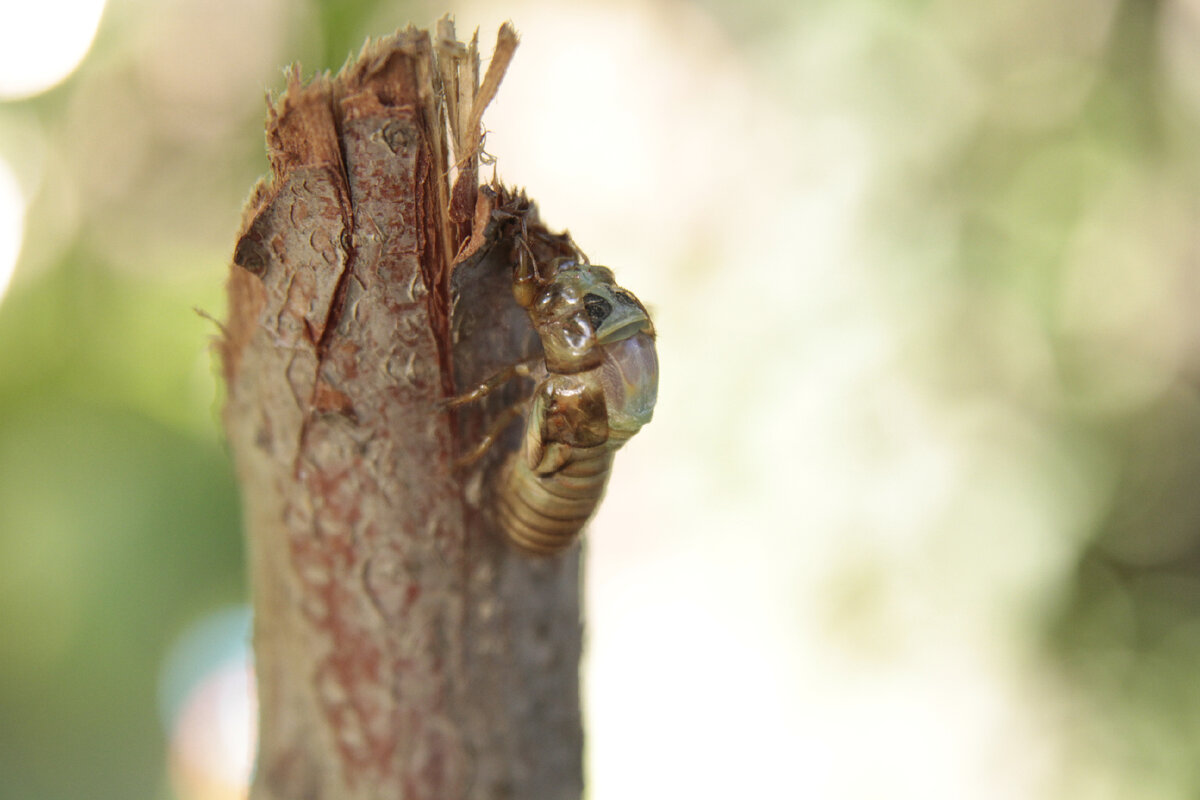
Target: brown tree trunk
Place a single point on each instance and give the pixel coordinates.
(402, 649)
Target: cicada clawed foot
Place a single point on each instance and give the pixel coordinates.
(526, 281)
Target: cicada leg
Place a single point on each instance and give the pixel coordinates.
(522, 369)
(493, 434)
(526, 281)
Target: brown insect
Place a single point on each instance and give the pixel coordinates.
(597, 385)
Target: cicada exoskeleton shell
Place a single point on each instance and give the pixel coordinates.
(599, 388)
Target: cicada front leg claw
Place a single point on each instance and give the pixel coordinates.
(526, 281)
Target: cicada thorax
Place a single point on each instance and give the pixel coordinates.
(601, 382)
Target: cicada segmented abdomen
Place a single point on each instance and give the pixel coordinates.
(543, 514)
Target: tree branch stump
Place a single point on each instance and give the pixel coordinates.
(402, 649)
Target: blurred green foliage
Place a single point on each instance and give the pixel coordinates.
(118, 523)
(118, 520)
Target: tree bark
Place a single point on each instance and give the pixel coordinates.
(402, 649)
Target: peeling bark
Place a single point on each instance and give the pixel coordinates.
(402, 649)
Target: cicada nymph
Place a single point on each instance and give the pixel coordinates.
(597, 383)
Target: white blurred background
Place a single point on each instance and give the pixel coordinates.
(917, 514)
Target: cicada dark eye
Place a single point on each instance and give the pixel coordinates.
(597, 307)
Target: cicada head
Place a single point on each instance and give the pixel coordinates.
(581, 309)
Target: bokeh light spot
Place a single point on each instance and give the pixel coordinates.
(212, 745)
(207, 695)
(42, 43)
(12, 224)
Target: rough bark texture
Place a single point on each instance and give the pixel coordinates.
(403, 650)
